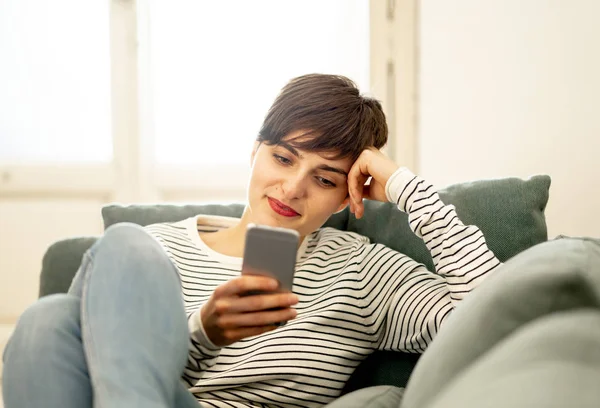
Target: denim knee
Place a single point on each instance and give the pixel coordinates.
(129, 237)
(134, 244)
(44, 324)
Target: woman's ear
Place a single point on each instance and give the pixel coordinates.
(254, 150)
(343, 205)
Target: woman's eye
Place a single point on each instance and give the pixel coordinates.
(282, 159)
(325, 182)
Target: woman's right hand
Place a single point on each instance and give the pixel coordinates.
(229, 316)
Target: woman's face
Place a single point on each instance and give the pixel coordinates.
(294, 188)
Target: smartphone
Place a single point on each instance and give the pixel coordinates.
(271, 251)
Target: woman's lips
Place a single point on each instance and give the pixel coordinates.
(281, 209)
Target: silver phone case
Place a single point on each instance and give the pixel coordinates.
(271, 251)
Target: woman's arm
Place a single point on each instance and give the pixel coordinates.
(417, 301)
(459, 251)
(202, 353)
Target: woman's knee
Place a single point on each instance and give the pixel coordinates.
(129, 243)
(45, 323)
(125, 237)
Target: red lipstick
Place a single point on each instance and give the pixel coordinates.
(281, 209)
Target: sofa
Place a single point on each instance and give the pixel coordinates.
(509, 211)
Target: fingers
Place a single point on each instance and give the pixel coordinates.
(231, 314)
(236, 318)
(255, 319)
(246, 283)
(357, 177)
(356, 181)
(356, 198)
(233, 335)
(356, 190)
(254, 303)
(374, 165)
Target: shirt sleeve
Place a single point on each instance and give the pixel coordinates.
(202, 352)
(459, 252)
(421, 300)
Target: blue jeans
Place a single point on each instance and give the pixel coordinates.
(119, 338)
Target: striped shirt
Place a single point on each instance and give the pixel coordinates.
(355, 297)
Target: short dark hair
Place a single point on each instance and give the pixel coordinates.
(331, 110)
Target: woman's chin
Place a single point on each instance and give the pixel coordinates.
(273, 219)
(267, 216)
(279, 221)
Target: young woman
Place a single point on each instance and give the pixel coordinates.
(153, 306)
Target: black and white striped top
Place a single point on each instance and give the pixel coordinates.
(354, 297)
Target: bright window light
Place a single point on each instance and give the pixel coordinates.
(216, 67)
(54, 81)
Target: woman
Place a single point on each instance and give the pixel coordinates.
(120, 337)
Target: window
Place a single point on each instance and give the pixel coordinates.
(141, 100)
(54, 82)
(215, 67)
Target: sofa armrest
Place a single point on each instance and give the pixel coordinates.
(61, 262)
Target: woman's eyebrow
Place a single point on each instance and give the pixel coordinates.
(333, 169)
(325, 167)
(290, 148)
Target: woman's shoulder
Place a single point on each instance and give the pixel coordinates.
(160, 228)
(338, 238)
(176, 234)
(333, 245)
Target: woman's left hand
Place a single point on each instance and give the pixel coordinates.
(371, 163)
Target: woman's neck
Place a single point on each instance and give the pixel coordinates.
(230, 241)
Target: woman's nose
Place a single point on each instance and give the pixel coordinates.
(294, 187)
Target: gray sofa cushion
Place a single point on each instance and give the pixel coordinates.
(494, 339)
(509, 211)
(60, 263)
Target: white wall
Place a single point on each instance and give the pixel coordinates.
(27, 228)
(512, 88)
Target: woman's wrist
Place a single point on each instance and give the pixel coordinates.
(396, 183)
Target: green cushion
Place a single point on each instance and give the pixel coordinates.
(509, 211)
(382, 367)
(61, 262)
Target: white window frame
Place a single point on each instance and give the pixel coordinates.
(132, 175)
